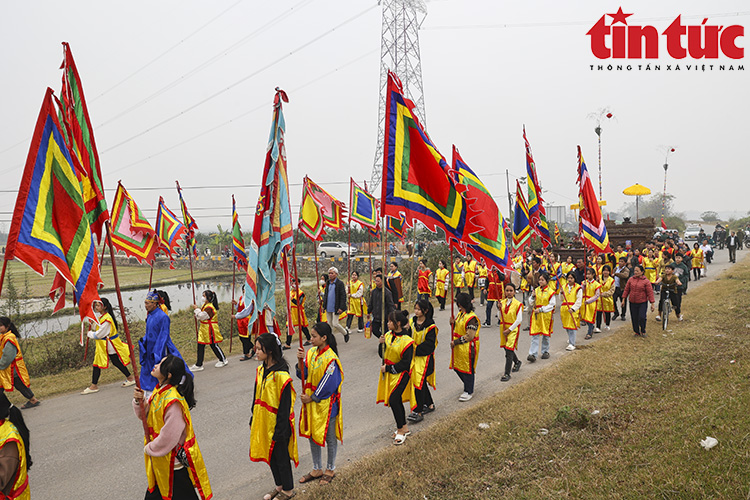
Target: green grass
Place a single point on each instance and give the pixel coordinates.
(657, 398)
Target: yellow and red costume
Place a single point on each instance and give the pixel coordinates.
(315, 417)
(510, 310)
(588, 311)
(423, 281)
(464, 356)
(268, 390)
(441, 275)
(208, 333)
(419, 364)
(101, 354)
(570, 318)
(395, 346)
(17, 367)
(541, 322)
(606, 303)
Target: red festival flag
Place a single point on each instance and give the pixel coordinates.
(592, 228)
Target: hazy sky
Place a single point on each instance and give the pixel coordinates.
(489, 68)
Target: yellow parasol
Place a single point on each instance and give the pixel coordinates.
(636, 190)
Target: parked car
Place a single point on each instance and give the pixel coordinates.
(335, 249)
(691, 233)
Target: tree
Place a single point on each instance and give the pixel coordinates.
(709, 216)
(651, 206)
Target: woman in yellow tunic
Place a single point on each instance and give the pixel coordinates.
(554, 269)
(698, 264)
(208, 333)
(567, 266)
(470, 274)
(109, 347)
(320, 419)
(272, 436)
(243, 327)
(572, 297)
(394, 384)
(465, 344)
(606, 304)
(424, 332)
(14, 449)
(599, 266)
(591, 291)
(542, 304)
(357, 304)
(510, 311)
(13, 371)
(297, 314)
(458, 276)
(441, 279)
(174, 463)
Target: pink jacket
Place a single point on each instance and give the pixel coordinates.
(639, 290)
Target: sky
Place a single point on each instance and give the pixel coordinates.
(184, 90)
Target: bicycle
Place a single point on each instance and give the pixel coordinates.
(666, 309)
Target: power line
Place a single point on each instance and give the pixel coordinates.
(241, 80)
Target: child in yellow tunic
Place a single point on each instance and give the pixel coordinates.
(482, 283)
(591, 291)
(441, 283)
(394, 384)
(511, 315)
(321, 419)
(554, 269)
(465, 344)
(13, 371)
(208, 333)
(572, 296)
(424, 332)
(174, 465)
(272, 436)
(14, 448)
(698, 264)
(542, 304)
(357, 304)
(606, 303)
(109, 347)
(650, 265)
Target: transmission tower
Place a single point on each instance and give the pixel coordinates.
(399, 52)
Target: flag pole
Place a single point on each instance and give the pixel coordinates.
(192, 281)
(151, 277)
(116, 279)
(349, 249)
(452, 280)
(317, 277)
(300, 308)
(287, 293)
(2, 275)
(383, 241)
(231, 316)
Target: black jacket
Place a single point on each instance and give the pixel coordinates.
(340, 295)
(375, 304)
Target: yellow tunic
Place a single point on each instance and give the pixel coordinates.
(566, 268)
(620, 255)
(541, 322)
(698, 259)
(17, 367)
(441, 276)
(208, 333)
(101, 355)
(458, 279)
(470, 272)
(419, 363)
(649, 267)
(314, 417)
(464, 356)
(9, 434)
(299, 317)
(606, 304)
(570, 319)
(588, 311)
(554, 281)
(268, 391)
(160, 470)
(509, 311)
(357, 306)
(395, 346)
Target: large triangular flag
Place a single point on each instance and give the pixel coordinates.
(592, 228)
(319, 210)
(537, 212)
(49, 221)
(131, 232)
(521, 228)
(169, 230)
(238, 244)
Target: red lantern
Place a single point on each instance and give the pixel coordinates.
(672, 150)
(609, 115)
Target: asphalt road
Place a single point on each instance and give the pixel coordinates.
(93, 445)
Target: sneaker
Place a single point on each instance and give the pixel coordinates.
(89, 390)
(465, 397)
(359, 330)
(658, 318)
(570, 347)
(196, 368)
(531, 358)
(505, 377)
(545, 355)
(516, 366)
(597, 330)
(606, 327)
(220, 364)
(681, 318)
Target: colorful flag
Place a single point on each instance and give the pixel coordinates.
(272, 227)
(663, 224)
(190, 225)
(521, 228)
(49, 220)
(363, 208)
(319, 210)
(489, 242)
(416, 182)
(537, 212)
(80, 138)
(238, 244)
(169, 231)
(592, 228)
(557, 234)
(131, 232)
(397, 227)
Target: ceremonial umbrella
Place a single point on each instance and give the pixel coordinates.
(636, 190)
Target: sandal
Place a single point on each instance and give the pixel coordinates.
(271, 494)
(284, 496)
(309, 477)
(29, 404)
(327, 478)
(428, 409)
(399, 439)
(588, 336)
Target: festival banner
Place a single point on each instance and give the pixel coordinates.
(238, 244)
(189, 222)
(364, 207)
(591, 223)
(537, 212)
(416, 183)
(169, 231)
(318, 211)
(131, 232)
(521, 228)
(49, 220)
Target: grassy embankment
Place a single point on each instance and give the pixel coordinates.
(656, 399)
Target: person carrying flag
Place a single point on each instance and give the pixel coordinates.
(441, 279)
